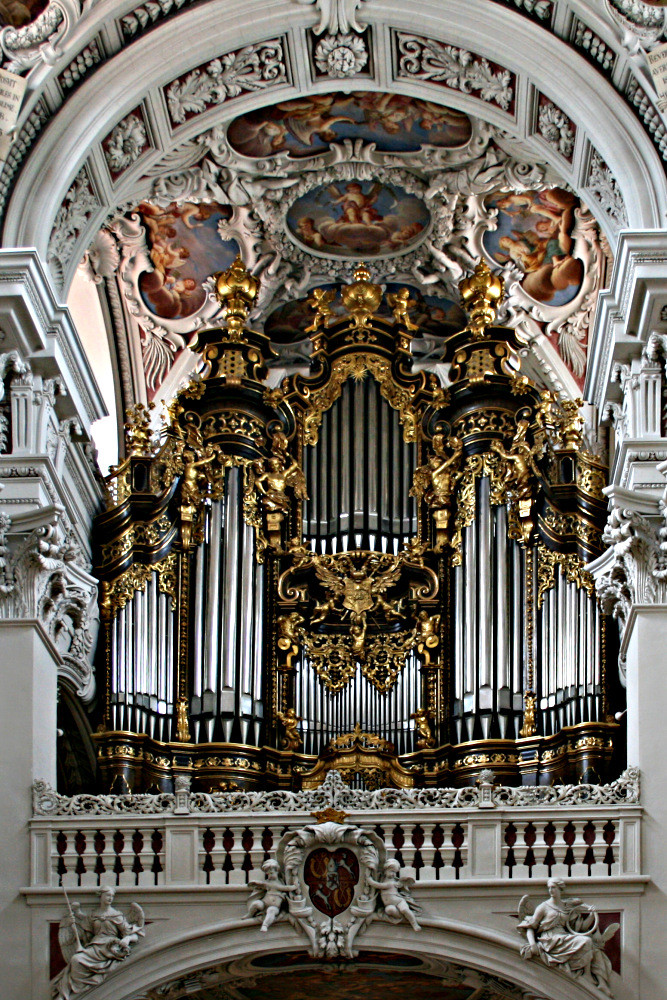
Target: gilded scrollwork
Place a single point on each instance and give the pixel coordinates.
(570, 564)
(122, 589)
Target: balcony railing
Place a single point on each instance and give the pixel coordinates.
(486, 832)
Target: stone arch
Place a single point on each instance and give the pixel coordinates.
(540, 61)
(490, 955)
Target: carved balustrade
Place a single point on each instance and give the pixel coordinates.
(484, 833)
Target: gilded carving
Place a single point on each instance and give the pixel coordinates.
(122, 589)
(570, 564)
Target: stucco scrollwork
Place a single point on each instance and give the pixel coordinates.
(602, 184)
(42, 40)
(333, 793)
(41, 577)
(427, 59)
(336, 15)
(252, 68)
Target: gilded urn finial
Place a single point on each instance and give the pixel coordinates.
(361, 298)
(237, 290)
(480, 295)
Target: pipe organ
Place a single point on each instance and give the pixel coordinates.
(363, 568)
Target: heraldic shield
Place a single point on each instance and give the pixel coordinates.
(331, 877)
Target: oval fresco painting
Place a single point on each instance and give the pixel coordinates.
(185, 249)
(358, 219)
(535, 231)
(307, 125)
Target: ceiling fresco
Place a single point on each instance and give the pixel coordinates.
(184, 249)
(309, 125)
(305, 189)
(370, 976)
(358, 219)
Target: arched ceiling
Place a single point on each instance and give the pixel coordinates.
(158, 138)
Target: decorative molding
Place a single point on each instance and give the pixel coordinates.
(85, 61)
(246, 70)
(556, 128)
(426, 59)
(334, 793)
(336, 16)
(340, 56)
(78, 205)
(125, 143)
(605, 189)
(342, 869)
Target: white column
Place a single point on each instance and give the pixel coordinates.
(646, 666)
(28, 682)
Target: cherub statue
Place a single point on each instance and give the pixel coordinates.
(436, 479)
(564, 932)
(290, 721)
(320, 300)
(92, 944)
(401, 303)
(423, 727)
(269, 897)
(519, 462)
(192, 474)
(395, 895)
(271, 482)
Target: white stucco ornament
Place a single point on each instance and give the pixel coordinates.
(341, 55)
(564, 933)
(330, 881)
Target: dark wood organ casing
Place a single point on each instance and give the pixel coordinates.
(362, 568)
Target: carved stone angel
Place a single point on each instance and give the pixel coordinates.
(564, 932)
(92, 944)
(396, 895)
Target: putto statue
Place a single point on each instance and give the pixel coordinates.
(270, 896)
(564, 932)
(92, 944)
(396, 895)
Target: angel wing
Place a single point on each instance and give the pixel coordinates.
(297, 480)
(67, 935)
(526, 908)
(421, 481)
(405, 884)
(572, 350)
(608, 933)
(136, 915)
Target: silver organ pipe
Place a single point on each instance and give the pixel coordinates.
(141, 698)
(226, 702)
(568, 631)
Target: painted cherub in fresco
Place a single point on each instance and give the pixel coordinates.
(357, 207)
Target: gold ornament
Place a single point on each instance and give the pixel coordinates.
(362, 298)
(480, 295)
